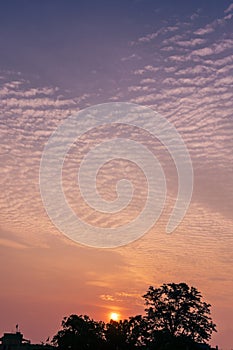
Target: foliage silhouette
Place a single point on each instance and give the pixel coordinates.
(178, 310)
(127, 334)
(116, 334)
(176, 319)
(79, 332)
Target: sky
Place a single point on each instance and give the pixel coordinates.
(60, 57)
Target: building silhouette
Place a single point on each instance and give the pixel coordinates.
(16, 341)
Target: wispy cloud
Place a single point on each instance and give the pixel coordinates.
(151, 36)
(229, 8)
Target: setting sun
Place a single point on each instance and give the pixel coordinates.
(114, 316)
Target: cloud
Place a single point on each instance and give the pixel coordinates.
(12, 240)
(28, 117)
(174, 38)
(151, 36)
(192, 43)
(124, 298)
(214, 49)
(190, 84)
(228, 17)
(148, 81)
(11, 244)
(211, 27)
(131, 57)
(206, 30)
(146, 69)
(206, 51)
(229, 9)
(107, 297)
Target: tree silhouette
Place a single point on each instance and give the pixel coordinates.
(116, 334)
(79, 332)
(126, 334)
(177, 311)
(176, 319)
(138, 331)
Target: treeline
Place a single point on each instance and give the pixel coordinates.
(176, 318)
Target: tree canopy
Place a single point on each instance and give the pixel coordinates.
(79, 332)
(175, 317)
(178, 310)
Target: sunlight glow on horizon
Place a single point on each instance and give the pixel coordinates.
(114, 316)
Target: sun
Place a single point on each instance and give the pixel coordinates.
(114, 316)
